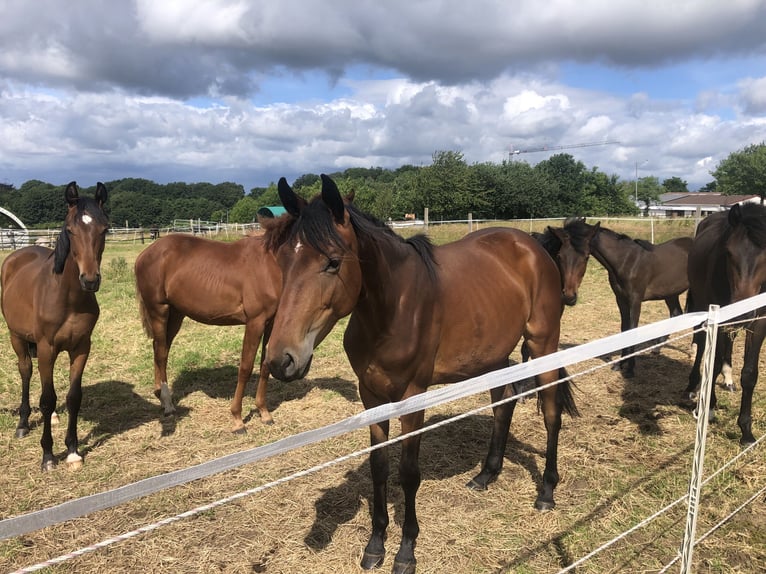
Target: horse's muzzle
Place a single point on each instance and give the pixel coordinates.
(569, 300)
(91, 285)
(287, 368)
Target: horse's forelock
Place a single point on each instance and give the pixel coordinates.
(579, 233)
(753, 218)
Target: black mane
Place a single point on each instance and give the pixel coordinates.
(316, 228)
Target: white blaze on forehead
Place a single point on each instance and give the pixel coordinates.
(298, 246)
(86, 219)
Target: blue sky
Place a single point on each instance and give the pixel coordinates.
(249, 91)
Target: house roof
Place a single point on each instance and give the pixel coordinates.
(706, 198)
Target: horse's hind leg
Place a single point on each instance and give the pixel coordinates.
(501, 424)
(726, 341)
(674, 310)
(165, 327)
(21, 347)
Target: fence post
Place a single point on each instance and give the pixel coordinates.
(703, 402)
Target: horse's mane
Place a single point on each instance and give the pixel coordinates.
(315, 227)
(642, 243)
(61, 250)
(753, 218)
(548, 240)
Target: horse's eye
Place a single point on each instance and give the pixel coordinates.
(333, 265)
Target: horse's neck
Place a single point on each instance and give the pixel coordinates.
(608, 251)
(391, 271)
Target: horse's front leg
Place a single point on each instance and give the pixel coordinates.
(21, 347)
(501, 424)
(630, 312)
(374, 552)
(552, 417)
(749, 378)
(409, 476)
(46, 357)
(77, 361)
(252, 338)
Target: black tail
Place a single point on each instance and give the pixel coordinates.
(564, 396)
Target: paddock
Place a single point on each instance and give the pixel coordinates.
(623, 459)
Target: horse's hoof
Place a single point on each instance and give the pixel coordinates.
(370, 561)
(48, 465)
(544, 505)
(477, 485)
(21, 432)
(54, 419)
(74, 461)
(729, 387)
(240, 430)
(407, 567)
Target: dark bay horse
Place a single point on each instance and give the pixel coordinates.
(727, 263)
(638, 271)
(49, 303)
(570, 251)
(214, 283)
(420, 315)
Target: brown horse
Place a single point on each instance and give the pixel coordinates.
(49, 303)
(638, 271)
(727, 263)
(214, 283)
(420, 315)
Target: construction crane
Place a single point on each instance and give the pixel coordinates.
(559, 147)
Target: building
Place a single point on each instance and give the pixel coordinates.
(697, 204)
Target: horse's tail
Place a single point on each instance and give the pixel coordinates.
(145, 321)
(564, 396)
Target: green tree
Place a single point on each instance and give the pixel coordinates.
(675, 185)
(649, 190)
(448, 189)
(743, 172)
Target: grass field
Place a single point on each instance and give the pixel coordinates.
(626, 457)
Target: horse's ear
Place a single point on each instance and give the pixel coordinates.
(71, 194)
(292, 202)
(333, 200)
(735, 215)
(101, 194)
(559, 234)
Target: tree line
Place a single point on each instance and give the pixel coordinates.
(450, 188)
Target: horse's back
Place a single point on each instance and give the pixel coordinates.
(210, 281)
(20, 278)
(496, 284)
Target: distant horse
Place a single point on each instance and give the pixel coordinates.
(420, 315)
(214, 283)
(570, 251)
(638, 271)
(727, 263)
(49, 303)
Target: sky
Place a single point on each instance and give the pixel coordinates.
(250, 91)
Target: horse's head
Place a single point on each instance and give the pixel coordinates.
(572, 256)
(321, 277)
(746, 251)
(83, 236)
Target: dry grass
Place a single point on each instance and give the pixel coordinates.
(627, 456)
